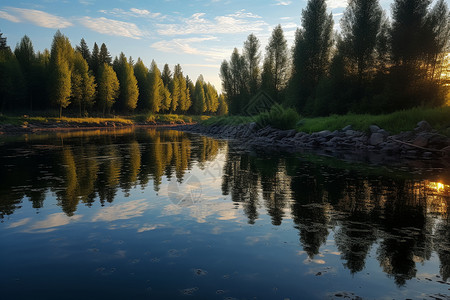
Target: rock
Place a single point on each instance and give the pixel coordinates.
(421, 140)
(291, 133)
(325, 134)
(350, 132)
(446, 151)
(348, 127)
(383, 132)
(376, 138)
(374, 128)
(427, 155)
(299, 135)
(423, 126)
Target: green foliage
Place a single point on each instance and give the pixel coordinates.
(142, 77)
(275, 70)
(439, 119)
(157, 91)
(278, 117)
(129, 91)
(108, 87)
(311, 52)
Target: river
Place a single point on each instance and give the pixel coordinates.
(161, 214)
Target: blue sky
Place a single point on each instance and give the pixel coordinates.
(198, 34)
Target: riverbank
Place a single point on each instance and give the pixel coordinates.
(378, 144)
(25, 124)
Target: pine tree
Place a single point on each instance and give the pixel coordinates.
(24, 53)
(104, 56)
(83, 84)
(141, 73)
(312, 51)
(61, 64)
(108, 87)
(276, 63)
(84, 50)
(199, 105)
(94, 62)
(361, 25)
(252, 55)
(166, 75)
(157, 90)
(3, 44)
(129, 91)
(222, 110)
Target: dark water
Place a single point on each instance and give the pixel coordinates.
(165, 215)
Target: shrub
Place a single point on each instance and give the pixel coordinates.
(278, 117)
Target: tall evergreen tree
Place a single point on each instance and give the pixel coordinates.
(166, 75)
(223, 107)
(84, 50)
(141, 73)
(252, 55)
(234, 75)
(311, 52)
(83, 84)
(94, 62)
(276, 70)
(361, 28)
(413, 42)
(157, 90)
(3, 43)
(108, 87)
(24, 53)
(104, 56)
(199, 105)
(61, 64)
(129, 91)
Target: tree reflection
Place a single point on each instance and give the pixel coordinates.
(400, 218)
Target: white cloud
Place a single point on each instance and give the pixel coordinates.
(133, 12)
(284, 3)
(239, 22)
(6, 16)
(331, 4)
(112, 27)
(185, 46)
(39, 18)
(123, 211)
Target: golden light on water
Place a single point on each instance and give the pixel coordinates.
(438, 186)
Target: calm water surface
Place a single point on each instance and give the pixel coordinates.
(150, 214)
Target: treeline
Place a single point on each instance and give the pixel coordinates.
(92, 82)
(373, 65)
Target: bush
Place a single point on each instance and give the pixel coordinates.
(278, 117)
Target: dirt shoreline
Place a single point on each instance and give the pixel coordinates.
(9, 129)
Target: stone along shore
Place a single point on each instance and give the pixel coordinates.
(421, 143)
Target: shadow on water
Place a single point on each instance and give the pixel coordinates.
(404, 213)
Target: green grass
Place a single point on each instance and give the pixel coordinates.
(439, 119)
(406, 120)
(25, 120)
(167, 118)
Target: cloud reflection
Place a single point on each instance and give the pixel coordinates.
(124, 211)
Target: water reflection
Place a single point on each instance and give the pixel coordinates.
(399, 217)
(407, 217)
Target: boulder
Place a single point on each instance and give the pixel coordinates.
(374, 128)
(348, 127)
(423, 126)
(421, 140)
(376, 138)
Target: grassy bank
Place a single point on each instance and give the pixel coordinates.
(439, 119)
(45, 121)
(27, 120)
